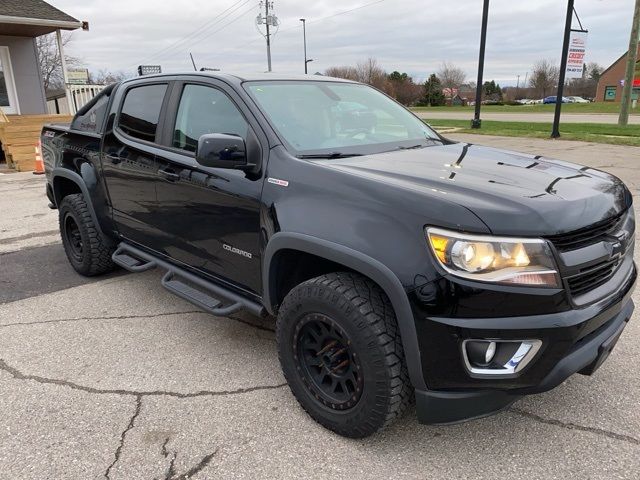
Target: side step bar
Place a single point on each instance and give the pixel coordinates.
(209, 296)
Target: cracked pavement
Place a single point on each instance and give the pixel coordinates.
(115, 378)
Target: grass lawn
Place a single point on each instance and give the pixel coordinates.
(587, 132)
(588, 108)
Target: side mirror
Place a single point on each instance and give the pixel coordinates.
(221, 150)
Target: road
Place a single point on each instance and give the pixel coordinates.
(115, 378)
(527, 117)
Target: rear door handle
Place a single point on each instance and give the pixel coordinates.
(169, 175)
(113, 158)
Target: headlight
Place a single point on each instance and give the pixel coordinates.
(521, 261)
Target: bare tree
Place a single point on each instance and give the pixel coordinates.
(368, 71)
(544, 77)
(451, 77)
(372, 73)
(348, 73)
(107, 77)
(49, 60)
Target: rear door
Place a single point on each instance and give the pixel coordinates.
(209, 217)
(129, 157)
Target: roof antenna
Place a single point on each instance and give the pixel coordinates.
(193, 62)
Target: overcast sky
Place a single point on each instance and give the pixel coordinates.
(415, 36)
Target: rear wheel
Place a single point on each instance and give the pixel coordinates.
(88, 251)
(342, 355)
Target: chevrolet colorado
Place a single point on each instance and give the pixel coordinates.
(400, 265)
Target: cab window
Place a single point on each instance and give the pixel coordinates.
(91, 118)
(141, 111)
(205, 110)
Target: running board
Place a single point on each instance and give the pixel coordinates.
(211, 297)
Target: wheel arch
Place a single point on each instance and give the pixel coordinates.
(66, 182)
(355, 261)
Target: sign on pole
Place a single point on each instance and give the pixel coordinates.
(577, 51)
(78, 76)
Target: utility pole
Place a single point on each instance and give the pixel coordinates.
(304, 36)
(476, 122)
(555, 133)
(632, 57)
(266, 14)
(517, 86)
(269, 20)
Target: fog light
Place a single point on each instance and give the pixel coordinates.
(480, 353)
(498, 357)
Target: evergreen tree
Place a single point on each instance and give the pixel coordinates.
(433, 95)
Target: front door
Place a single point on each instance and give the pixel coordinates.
(209, 217)
(8, 95)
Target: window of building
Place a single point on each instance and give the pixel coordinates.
(610, 93)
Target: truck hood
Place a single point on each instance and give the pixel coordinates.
(512, 193)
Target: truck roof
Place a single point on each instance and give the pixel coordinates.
(243, 77)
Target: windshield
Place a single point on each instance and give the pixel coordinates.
(331, 118)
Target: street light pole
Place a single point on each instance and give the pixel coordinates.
(555, 133)
(304, 36)
(476, 122)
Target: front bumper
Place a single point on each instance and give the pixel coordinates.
(574, 341)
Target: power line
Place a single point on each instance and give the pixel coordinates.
(319, 20)
(252, 7)
(198, 31)
(222, 16)
(340, 13)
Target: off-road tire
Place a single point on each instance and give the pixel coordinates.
(94, 255)
(364, 313)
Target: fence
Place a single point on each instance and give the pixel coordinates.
(80, 96)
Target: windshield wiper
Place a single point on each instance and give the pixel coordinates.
(412, 147)
(420, 145)
(331, 155)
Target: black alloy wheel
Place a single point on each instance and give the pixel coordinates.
(73, 237)
(327, 362)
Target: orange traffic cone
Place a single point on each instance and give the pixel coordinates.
(39, 163)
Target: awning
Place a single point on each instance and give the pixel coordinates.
(33, 27)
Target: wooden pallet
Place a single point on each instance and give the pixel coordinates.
(20, 135)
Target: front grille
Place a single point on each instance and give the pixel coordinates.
(586, 236)
(592, 277)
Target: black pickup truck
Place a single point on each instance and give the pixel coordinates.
(399, 264)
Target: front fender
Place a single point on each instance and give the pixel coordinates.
(362, 264)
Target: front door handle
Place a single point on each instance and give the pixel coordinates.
(169, 175)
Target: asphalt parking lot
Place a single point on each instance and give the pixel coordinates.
(116, 378)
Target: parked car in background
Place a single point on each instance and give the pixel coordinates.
(577, 100)
(554, 99)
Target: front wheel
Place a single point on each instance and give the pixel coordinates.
(341, 353)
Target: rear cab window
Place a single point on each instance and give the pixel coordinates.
(90, 119)
(140, 111)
